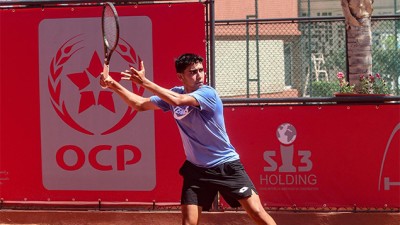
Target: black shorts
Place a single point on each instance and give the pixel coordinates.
(201, 185)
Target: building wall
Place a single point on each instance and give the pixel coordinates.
(237, 60)
(234, 68)
(241, 9)
(334, 8)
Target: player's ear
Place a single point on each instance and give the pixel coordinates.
(180, 76)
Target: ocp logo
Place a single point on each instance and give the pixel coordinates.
(87, 130)
(85, 89)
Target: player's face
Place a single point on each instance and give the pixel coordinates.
(193, 77)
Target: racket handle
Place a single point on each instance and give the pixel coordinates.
(106, 70)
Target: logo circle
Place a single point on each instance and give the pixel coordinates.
(286, 133)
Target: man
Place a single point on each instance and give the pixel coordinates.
(212, 163)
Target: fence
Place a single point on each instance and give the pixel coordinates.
(295, 57)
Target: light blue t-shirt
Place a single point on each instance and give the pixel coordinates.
(202, 128)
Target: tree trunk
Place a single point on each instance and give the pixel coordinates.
(359, 51)
(359, 38)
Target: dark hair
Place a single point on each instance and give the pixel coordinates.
(186, 60)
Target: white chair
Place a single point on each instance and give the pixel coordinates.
(318, 60)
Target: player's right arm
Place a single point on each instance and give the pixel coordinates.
(135, 101)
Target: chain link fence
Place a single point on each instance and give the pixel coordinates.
(300, 57)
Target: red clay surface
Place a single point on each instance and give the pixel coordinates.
(210, 218)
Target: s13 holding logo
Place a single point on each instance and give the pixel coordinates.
(289, 175)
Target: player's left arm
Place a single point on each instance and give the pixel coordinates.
(135, 101)
(171, 97)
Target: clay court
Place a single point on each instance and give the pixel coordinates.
(32, 217)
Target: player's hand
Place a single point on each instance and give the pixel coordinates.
(105, 78)
(105, 82)
(135, 75)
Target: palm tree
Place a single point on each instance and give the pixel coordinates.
(359, 38)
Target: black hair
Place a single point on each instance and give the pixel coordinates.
(186, 60)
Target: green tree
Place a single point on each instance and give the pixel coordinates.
(386, 61)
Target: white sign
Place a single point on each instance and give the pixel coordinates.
(91, 139)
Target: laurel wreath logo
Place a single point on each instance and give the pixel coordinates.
(126, 51)
(64, 53)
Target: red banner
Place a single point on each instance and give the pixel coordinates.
(333, 155)
(63, 138)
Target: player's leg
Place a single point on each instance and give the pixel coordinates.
(255, 210)
(190, 214)
(238, 190)
(196, 195)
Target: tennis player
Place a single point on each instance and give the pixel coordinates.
(212, 164)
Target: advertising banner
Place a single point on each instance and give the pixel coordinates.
(63, 137)
(313, 156)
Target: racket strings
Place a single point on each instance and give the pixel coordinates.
(110, 28)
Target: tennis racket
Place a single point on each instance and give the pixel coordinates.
(110, 30)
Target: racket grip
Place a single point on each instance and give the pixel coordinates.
(106, 70)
